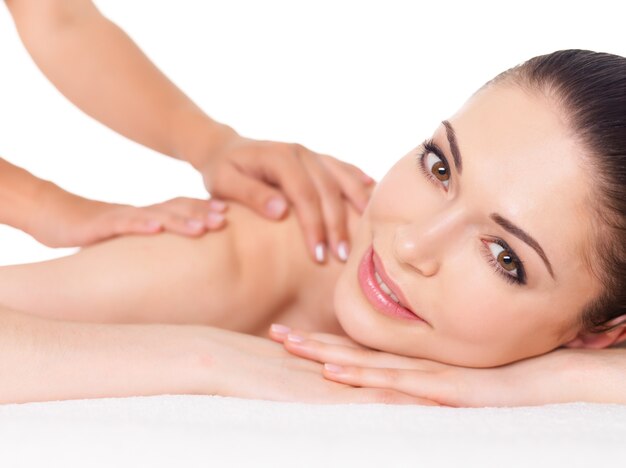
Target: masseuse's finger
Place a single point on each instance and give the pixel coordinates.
(293, 177)
(355, 184)
(333, 205)
(231, 182)
(281, 165)
(149, 221)
(184, 216)
(190, 214)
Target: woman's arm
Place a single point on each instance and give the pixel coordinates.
(561, 376)
(42, 360)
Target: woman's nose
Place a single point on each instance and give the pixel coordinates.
(413, 251)
(422, 245)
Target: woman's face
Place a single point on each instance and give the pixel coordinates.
(488, 250)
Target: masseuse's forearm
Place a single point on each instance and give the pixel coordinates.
(20, 195)
(24, 199)
(43, 360)
(102, 71)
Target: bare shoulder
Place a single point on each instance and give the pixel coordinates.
(267, 253)
(232, 278)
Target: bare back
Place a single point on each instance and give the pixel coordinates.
(241, 278)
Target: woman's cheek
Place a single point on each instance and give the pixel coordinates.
(477, 311)
(394, 193)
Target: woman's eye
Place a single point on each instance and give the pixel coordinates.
(437, 167)
(433, 164)
(507, 261)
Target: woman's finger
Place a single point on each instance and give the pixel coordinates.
(412, 382)
(383, 396)
(348, 355)
(279, 332)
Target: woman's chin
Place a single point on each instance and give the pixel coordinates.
(359, 322)
(350, 314)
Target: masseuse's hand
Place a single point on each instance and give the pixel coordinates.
(73, 42)
(63, 219)
(561, 376)
(267, 176)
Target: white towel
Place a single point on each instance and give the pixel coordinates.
(194, 431)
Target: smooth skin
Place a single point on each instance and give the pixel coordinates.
(425, 238)
(78, 49)
(58, 218)
(444, 242)
(172, 280)
(45, 360)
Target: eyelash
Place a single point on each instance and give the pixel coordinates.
(520, 279)
(430, 147)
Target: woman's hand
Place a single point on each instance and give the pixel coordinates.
(265, 175)
(63, 219)
(561, 376)
(246, 366)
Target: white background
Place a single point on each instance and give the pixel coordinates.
(364, 81)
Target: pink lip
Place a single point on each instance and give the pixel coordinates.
(376, 296)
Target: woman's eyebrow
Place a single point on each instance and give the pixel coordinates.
(454, 147)
(501, 221)
(521, 234)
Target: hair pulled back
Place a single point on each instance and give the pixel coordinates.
(590, 88)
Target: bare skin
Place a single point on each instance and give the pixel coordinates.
(99, 68)
(229, 279)
(428, 235)
(436, 239)
(160, 279)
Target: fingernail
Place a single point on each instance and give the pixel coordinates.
(276, 207)
(153, 225)
(342, 250)
(195, 224)
(320, 252)
(334, 368)
(217, 204)
(295, 338)
(215, 218)
(281, 329)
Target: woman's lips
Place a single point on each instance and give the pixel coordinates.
(375, 295)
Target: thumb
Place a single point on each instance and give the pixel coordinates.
(263, 199)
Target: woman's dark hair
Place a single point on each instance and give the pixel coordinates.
(590, 88)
